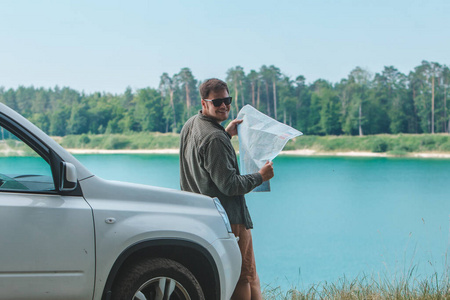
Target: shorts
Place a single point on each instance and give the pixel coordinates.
(248, 269)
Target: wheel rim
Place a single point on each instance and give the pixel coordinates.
(162, 288)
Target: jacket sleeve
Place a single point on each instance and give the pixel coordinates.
(219, 163)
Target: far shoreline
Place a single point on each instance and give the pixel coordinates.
(301, 152)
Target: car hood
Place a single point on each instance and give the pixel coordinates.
(97, 188)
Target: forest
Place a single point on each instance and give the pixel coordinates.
(388, 102)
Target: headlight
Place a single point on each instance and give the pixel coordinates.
(223, 213)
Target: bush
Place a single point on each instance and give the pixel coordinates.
(117, 142)
(84, 139)
(379, 146)
(289, 146)
(428, 142)
(445, 147)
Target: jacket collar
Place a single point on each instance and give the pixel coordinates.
(210, 120)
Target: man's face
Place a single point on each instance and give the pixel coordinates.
(220, 113)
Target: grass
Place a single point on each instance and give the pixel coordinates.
(142, 140)
(12, 147)
(393, 145)
(370, 288)
(383, 143)
(396, 145)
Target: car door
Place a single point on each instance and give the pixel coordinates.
(46, 236)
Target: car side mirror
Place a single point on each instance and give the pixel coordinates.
(68, 177)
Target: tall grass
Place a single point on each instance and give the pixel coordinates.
(364, 287)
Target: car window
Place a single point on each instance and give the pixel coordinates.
(21, 168)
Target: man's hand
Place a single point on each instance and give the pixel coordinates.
(267, 171)
(232, 127)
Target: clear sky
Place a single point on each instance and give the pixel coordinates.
(106, 46)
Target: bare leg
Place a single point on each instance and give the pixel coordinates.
(255, 288)
(242, 291)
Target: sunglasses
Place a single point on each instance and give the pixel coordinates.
(218, 102)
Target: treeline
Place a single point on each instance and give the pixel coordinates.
(361, 104)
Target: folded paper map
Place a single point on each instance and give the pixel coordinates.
(261, 139)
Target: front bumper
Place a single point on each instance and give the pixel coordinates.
(227, 255)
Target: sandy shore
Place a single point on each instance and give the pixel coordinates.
(303, 152)
(124, 151)
(308, 152)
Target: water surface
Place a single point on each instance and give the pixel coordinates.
(329, 217)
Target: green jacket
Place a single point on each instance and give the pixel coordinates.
(208, 166)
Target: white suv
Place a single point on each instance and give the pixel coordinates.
(68, 234)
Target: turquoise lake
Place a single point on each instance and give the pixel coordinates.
(330, 217)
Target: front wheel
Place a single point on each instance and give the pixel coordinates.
(157, 279)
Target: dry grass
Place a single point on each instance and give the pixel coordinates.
(368, 288)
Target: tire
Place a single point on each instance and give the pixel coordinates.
(157, 279)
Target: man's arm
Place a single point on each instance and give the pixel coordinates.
(219, 158)
(232, 127)
(267, 171)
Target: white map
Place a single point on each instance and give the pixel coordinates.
(261, 139)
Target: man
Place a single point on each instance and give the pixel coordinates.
(208, 166)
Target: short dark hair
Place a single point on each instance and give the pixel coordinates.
(212, 85)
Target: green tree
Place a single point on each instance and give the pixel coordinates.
(149, 110)
(275, 74)
(167, 89)
(433, 72)
(24, 99)
(78, 122)
(270, 76)
(389, 102)
(324, 109)
(58, 122)
(445, 85)
(266, 78)
(40, 103)
(421, 80)
(288, 101)
(100, 112)
(188, 84)
(41, 120)
(235, 77)
(9, 98)
(128, 96)
(303, 102)
(356, 92)
(253, 78)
